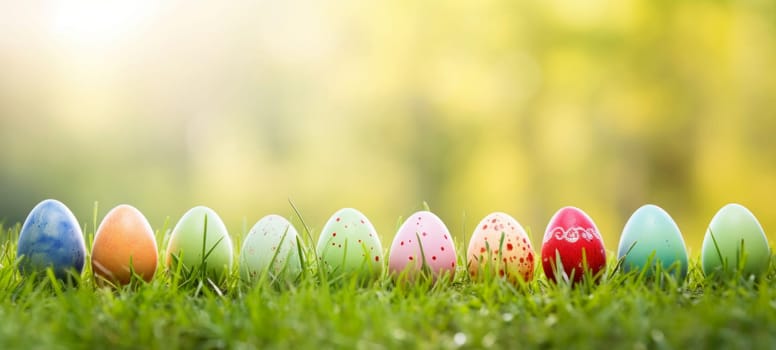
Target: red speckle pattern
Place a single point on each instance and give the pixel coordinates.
(485, 253)
(569, 233)
(433, 233)
(349, 228)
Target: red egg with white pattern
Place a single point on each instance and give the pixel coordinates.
(572, 246)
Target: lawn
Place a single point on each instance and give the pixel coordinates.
(622, 311)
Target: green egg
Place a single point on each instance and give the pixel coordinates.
(735, 239)
(271, 246)
(651, 237)
(349, 246)
(191, 239)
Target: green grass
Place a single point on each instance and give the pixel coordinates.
(623, 311)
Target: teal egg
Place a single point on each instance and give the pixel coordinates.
(51, 238)
(651, 237)
(734, 227)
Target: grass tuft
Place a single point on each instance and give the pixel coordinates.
(180, 309)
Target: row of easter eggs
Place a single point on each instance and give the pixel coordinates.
(349, 245)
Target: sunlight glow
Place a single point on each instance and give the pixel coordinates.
(98, 24)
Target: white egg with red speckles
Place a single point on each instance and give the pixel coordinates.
(500, 247)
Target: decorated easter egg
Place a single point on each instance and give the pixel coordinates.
(651, 238)
(423, 240)
(571, 242)
(124, 243)
(500, 246)
(271, 245)
(200, 237)
(349, 245)
(51, 238)
(734, 233)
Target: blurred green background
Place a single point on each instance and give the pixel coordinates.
(471, 106)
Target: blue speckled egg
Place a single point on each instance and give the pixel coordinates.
(51, 237)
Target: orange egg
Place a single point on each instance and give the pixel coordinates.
(124, 238)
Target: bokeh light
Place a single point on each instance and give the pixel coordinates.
(472, 107)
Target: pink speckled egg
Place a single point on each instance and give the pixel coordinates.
(489, 254)
(435, 241)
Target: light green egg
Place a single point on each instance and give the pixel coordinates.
(272, 246)
(190, 241)
(349, 245)
(734, 227)
(652, 237)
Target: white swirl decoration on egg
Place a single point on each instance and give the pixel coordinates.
(572, 234)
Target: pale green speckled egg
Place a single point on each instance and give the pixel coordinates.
(272, 246)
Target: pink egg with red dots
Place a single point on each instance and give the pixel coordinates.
(427, 231)
(500, 247)
(572, 246)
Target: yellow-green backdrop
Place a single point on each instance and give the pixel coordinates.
(471, 106)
